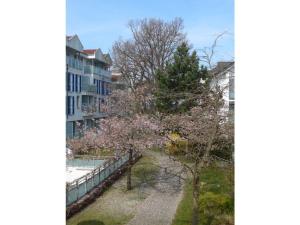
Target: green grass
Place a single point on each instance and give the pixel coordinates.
(216, 201)
(115, 206)
(145, 171)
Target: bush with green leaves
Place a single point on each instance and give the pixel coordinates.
(214, 207)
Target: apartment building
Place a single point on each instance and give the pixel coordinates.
(88, 81)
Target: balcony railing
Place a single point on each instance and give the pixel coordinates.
(90, 88)
(96, 70)
(88, 109)
(74, 63)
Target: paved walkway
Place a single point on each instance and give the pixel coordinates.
(160, 206)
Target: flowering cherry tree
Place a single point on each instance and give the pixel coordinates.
(205, 128)
(125, 129)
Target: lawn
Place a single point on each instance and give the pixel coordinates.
(216, 201)
(117, 205)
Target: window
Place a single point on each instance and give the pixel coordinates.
(77, 101)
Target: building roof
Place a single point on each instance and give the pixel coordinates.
(90, 51)
(73, 41)
(222, 66)
(107, 58)
(115, 78)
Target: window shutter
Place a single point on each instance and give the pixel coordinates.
(73, 82)
(79, 83)
(67, 82)
(68, 105)
(73, 105)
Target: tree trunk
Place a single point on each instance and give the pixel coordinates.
(196, 195)
(129, 170)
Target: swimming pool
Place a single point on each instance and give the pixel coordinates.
(76, 168)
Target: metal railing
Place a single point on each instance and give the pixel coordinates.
(78, 188)
(88, 109)
(74, 63)
(96, 70)
(90, 88)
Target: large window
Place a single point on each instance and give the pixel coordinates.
(74, 82)
(97, 83)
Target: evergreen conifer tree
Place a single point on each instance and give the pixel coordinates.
(182, 77)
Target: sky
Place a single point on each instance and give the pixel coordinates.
(99, 23)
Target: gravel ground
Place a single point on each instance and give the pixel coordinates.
(152, 203)
(160, 206)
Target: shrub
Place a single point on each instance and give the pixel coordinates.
(223, 148)
(214, 208)
(176, 145)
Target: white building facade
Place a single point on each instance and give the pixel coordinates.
(224, 72)
(88, 82)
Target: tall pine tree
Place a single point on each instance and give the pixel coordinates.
(181, 78)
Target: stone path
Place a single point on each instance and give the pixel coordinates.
(160, 206)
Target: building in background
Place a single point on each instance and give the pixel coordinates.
(88, 80)
(118, 81)
(225, 72)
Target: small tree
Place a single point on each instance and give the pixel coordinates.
(205, 125)
(180, 78)
(201, 127)
(125, 129)
(126, 135)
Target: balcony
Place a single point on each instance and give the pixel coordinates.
(96, 70)
(89, 88)
(74, 63)
(88, 110)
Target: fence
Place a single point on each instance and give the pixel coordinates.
(81, 186)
